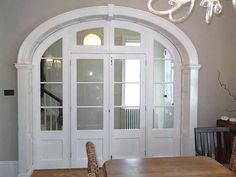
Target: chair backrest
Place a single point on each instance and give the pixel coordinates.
(232, 164)
(92, 160)
(91, 175)
(212, 142)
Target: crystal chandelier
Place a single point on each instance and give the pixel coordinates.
(213, 7)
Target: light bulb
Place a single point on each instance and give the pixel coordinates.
(92, 39)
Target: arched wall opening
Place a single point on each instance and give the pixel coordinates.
(25, 67)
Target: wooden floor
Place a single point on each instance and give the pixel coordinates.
(60, 173)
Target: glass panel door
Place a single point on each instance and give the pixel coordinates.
(90, 83)
(52, 149)
(127, 106)
(163, 126)
(127, 93)
(89, 106)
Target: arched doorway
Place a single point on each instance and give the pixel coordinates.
(54, 143)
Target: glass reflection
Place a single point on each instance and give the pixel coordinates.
(127, 118)
(89, 118)
(163, 117)
(90, 94)
(124, 37)
(51, 119)
(51, 95)
(98, 32)
(89, 70)
(163, 95)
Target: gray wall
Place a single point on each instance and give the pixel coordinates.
(215, 43)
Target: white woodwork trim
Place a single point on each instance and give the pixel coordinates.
(28, 174)
(25, 60)
(8, 168)
(191, 67)
(103, 12)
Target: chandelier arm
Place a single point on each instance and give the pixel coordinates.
(163, 12)
(209, 12)
(213, 7)
(234, 4)
(181, 19)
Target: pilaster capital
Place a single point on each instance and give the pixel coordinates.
(24, 66)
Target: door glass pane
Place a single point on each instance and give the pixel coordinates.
(94, 36)
(163, 71)
(163, 95)
(127, 94)
(127, 70)
(163, 79)
(161, 52)
(51, 119)
(55, 50)
(89, 118)
(51, 94)
(118, 95)
(51, 88)
(51, 70)
(127, 118)
(124, 37)
(90, 94)
(89, 70)
(163, 117)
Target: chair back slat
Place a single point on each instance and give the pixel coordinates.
(210, 141)
(232, 164)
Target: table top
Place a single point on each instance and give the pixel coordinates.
(166, 167)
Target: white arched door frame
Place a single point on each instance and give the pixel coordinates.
(24, 67)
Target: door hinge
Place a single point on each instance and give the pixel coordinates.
(111, 60)
(145, 153)
(111, 157)
(70, 155)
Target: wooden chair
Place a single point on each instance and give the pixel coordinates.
(232, 164)
(92, 160)
(211, 141)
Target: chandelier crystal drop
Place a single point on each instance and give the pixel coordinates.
(212, 6)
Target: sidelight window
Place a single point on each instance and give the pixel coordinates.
(51, 88)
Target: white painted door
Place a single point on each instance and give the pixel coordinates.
(127, 106)
(107, 95)
(52, 140)
(89, 107)
(163, 108)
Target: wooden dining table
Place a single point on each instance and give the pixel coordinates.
(166, 167)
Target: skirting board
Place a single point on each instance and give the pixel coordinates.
(8, 168)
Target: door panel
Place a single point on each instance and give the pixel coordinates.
(89, 101)
(164, 120)
(52, 143)
(127, 126)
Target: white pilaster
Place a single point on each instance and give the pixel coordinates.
(24, 119)
(189, 107)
